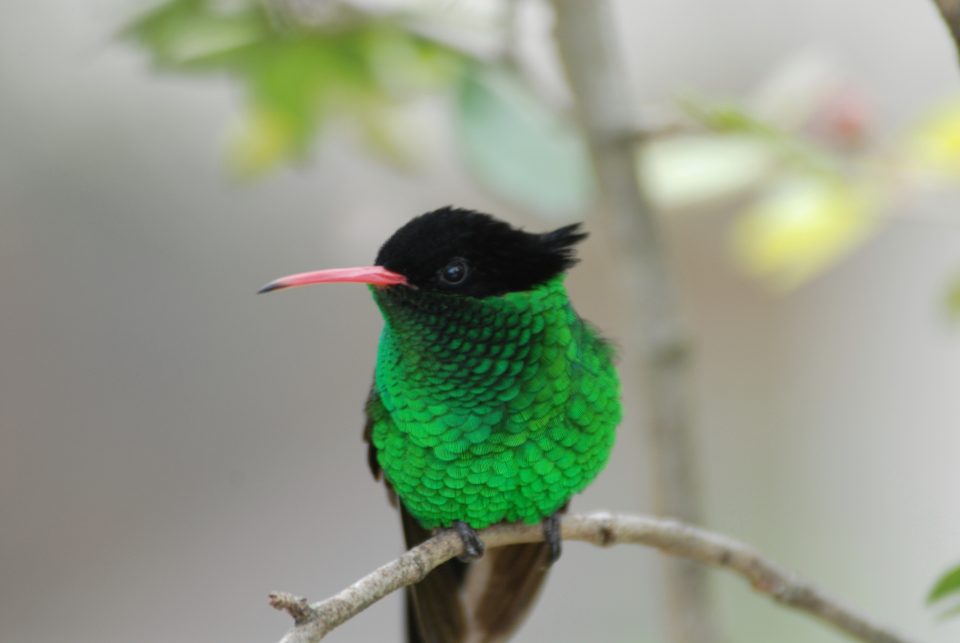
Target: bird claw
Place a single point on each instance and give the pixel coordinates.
(551, 534)
(472, 545)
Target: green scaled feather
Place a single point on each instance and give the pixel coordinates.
(490, 409)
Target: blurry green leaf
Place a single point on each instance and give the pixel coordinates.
(947, 587)
(296, 79)
(801, 226)
(264, 138)
(948, 584)
(791, 148)
(193, 33)
(726, 118)
(953, 301)
(518, 147)
(402, 61)
(686, 171)
(935, 144)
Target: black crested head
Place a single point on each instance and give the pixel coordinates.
(473, 254)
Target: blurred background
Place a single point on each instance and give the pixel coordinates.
(173, 448)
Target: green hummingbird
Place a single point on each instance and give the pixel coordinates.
(492, 401)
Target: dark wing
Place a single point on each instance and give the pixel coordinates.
(483, 601)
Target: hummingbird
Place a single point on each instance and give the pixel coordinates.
(492, 402)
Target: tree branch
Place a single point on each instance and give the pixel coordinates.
(587, 43)
(950, 10)
(313, 622)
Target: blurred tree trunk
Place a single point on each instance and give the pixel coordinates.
(586, 41)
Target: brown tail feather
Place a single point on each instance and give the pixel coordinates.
(479, 602)
(517, 573)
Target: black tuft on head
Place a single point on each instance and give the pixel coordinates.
(471, 253)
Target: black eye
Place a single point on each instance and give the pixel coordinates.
(454, 272)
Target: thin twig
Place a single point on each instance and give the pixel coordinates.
(586, 38)
(313, 622)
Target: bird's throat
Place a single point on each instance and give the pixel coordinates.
(445, 339)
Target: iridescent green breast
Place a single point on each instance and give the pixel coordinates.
(492, 409)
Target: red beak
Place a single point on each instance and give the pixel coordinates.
(376, 275)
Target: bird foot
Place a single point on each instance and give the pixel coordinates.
(472, 545)
(551, 534)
